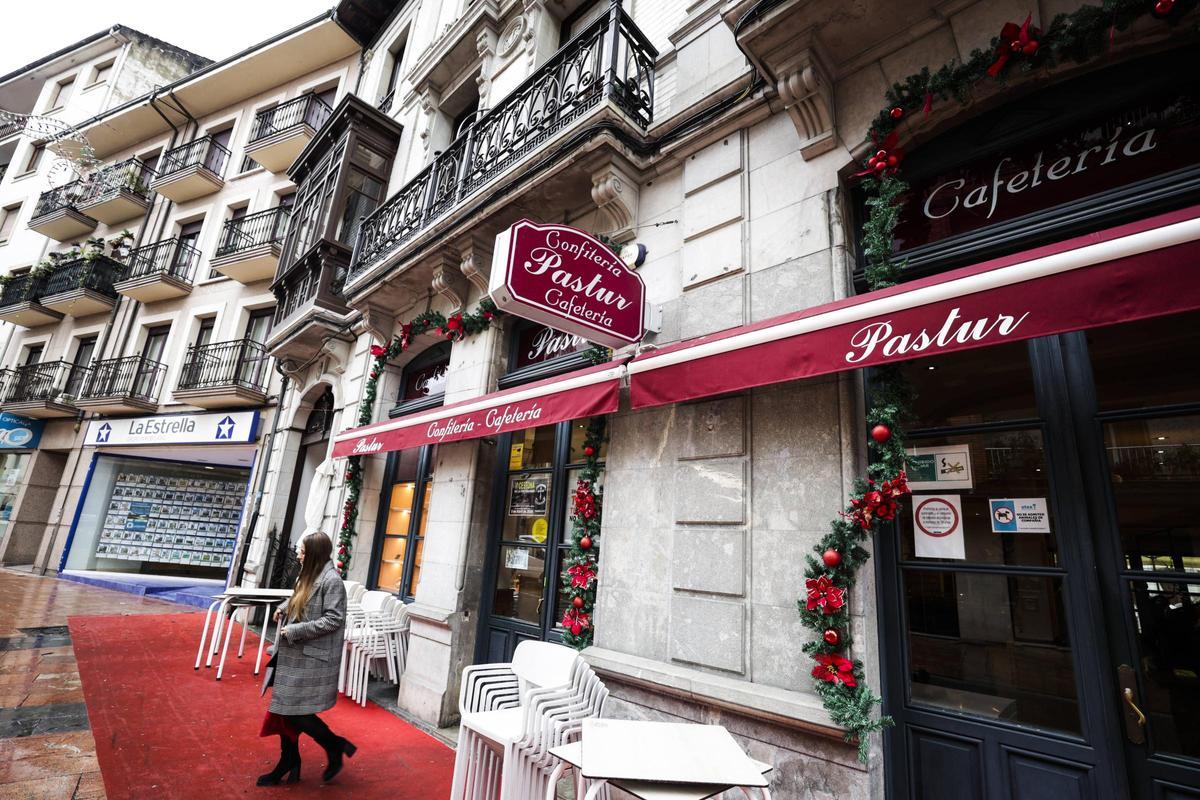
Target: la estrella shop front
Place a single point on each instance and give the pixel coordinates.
(164, 495)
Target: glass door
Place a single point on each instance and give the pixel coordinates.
(993, 642)
(146, 380)
(536, 472)
(1141, 429)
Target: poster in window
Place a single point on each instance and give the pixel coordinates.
(528, 495)
(939, 468)
(139, 517)
(938, 526)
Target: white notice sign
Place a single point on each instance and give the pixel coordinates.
(938, 526)
(1020, 515)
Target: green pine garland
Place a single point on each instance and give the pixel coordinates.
(453, 328)
(1076, 37)
(581, 563)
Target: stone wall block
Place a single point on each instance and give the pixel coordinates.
(800, 283)
(713, 206)
(718, 160)
(711, 560)
(713, 428)
(713, 307)
(713, 255)
(712, 491)
(793, 231)
(775, 642)
(708, 632)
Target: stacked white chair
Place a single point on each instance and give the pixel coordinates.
(354, 591)
(376, 643)
(513, 714)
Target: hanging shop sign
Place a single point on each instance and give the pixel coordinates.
(1020, 515)
(1060, 166)
(938, 526)
(19, 433)
(567, 279)
(222, 427)
(946, 467)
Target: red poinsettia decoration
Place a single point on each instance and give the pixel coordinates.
(581, 575)
(833, 668)
(454, 327)
(585, 501)
(405, 335)
(378, 350)
(824, 595)
(1016, 41)
(575, 617)
(878, 503)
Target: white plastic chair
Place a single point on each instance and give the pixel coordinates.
(512, 714)
(359, 634)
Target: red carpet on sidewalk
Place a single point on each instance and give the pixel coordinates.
(164, 730)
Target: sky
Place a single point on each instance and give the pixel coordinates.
(213, 28)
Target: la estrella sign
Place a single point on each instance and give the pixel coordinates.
(565, 278)
(223, 427)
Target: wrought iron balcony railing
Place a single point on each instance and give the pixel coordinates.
(66, 196)
(98, 273)
(384, 105)
(132, 377)
(48, 381)
(609, 60)
(203, 152)
(11, 128)
(21, 288)
(307, 109)
(217, 365)
(131, 175)
(253, 230)
(170, 257)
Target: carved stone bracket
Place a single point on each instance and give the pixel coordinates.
(806, 90)
(449, 282)
(380, 322)
(615, 193)
(485, 46)
(429, 102)
(475, 261)
(533, 12)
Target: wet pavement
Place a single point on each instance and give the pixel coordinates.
(46, 746)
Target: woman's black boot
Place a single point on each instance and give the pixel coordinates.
(341, 747)
(289, 765)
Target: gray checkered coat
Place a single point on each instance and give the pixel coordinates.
(306, 673)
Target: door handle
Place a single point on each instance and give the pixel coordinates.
(1135, 720)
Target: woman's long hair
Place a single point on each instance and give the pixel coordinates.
(317, 550)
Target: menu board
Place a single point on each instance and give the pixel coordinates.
(174, 520)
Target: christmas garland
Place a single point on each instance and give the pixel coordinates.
(580, 565)
(1075, 37)
(453, 328)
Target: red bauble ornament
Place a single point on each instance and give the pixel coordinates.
(577, 602)
(897, 112)
(576, 629)
(589, 451)
(1164, 7)
(832, 637)
(831, 557)
(586, 543)
(881, 433)
(341, 565)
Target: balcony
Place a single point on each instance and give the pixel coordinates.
(248, 250)
(44, 390)
(19, 302)
(280, 133)
(225, 375)
(160, 271)
(122, 386)
(57, 213)
(605, 74)
(118, 193)
(309, 309)
(191, 170)
(82, 286)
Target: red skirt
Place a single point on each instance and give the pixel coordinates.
(275, 725)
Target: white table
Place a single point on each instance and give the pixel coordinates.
(644, 759)
(231, 600)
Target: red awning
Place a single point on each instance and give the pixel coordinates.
(583, 393)
(1144, 269)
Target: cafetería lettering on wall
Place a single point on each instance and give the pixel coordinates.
(566, 278)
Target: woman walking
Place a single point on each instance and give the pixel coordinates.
(308, 655)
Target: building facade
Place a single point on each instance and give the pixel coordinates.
(1023, 649)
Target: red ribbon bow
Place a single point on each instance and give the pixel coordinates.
(1015, 41)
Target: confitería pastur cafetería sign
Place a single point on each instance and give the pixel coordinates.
(566, 278)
